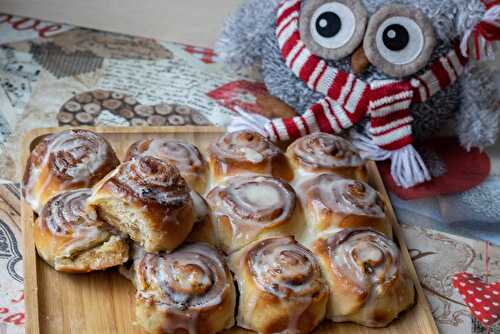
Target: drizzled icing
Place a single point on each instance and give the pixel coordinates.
(334, 194)
(252, 204)
(185, 156)
(324, 151)
(284, 268)
(243, 146)
(184, 284)
(364, 257)
(76, 157)
(287, 270)
(152, 180)
(64, 216)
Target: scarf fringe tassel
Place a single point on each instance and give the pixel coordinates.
(248, 121)
(407, 166)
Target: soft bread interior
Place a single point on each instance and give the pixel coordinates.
(110, 253)
(130, 221)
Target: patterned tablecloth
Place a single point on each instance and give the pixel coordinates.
(43, 65)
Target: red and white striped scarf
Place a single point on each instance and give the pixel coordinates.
(349, 99)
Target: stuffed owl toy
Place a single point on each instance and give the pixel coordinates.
(387, 73)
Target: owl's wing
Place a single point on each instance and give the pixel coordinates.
(479, 112)
(240, 43)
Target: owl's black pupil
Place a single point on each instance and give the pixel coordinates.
(396, 37)
(328, 24)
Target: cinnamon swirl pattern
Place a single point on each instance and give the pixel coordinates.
(280, 285)
(367, 281)
(67, 160)
(250, 207)
(185, 156)
(331, 201)
(147, 199)
(241, 152)
(70, 240)
(326, 153)
(190, 290)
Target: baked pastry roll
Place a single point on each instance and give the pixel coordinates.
(368, 284)
(147, 199)
(190, 290)
(280, 285)
(246, 152)
(185, 156)
(70, 240)
(66, 160)
(251, 207)
(203, 230)
(325, 153)
(333, 202)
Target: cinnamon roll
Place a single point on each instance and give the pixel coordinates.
(368, 284)
(326, 153)
(66, 160)
(334, 202)
(70, 240)
(250, 207)
(246, 152)
(203, 230)
(190, 290)
(147, 199)
(280, 285)
(185, 156)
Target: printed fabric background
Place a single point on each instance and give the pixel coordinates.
(55, 75)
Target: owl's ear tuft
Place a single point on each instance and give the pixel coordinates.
(240, 43)
(469, 14)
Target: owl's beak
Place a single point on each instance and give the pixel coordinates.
(359, 62)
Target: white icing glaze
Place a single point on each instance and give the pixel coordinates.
(74, 156)
(284, 268)
(184, 283)
(185, 156)
(367, 258)
(64, 215)
(200, 207)
(324, 151)
(327, 191)
(252, 203)
(243, 146)
(151, 178)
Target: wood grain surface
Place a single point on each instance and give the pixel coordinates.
(103, 302)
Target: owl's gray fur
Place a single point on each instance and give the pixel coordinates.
(248, 39)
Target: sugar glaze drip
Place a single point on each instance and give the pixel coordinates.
(325, 151)
(183, 283)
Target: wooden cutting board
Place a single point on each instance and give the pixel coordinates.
(103, 302)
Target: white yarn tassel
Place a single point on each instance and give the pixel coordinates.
(367, 149)
(407, 166)
(248, 121)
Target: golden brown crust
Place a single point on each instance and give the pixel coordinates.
(367, 281)
(147, 199)
(334, 202)
(70, 240)
(280, 285)
(251, 207)
(190, 290)
(326, 153)
(185, 156)
(70, 159)
(246, 152)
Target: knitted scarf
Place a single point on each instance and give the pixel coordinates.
(349, 99)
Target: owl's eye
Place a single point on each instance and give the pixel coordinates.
(399, 40)
(332, 29)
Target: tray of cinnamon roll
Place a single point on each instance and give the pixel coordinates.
(188, 230)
